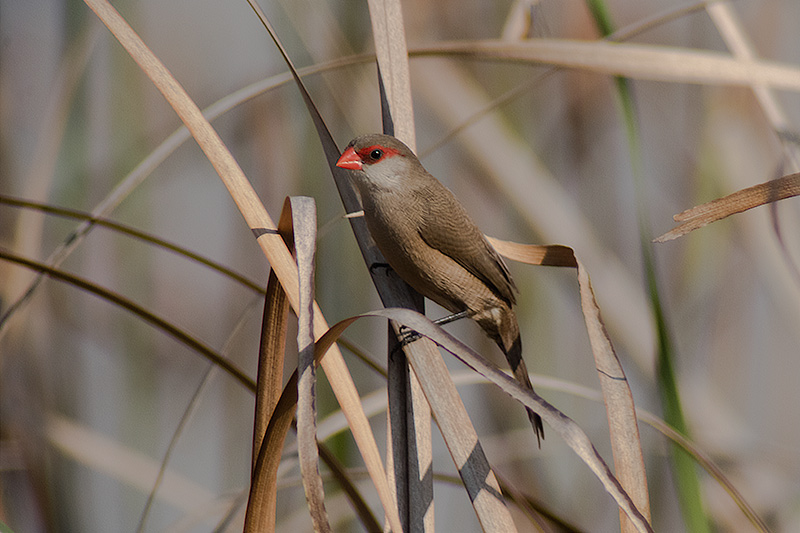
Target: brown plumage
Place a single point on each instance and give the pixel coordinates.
(428, 238)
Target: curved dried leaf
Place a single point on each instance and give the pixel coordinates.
(620, 409)
(737, 202)
(262, 500)
(535, 254)
(260, 514)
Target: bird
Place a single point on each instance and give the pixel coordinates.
(428, 238)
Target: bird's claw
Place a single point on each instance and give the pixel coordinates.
(407, 336)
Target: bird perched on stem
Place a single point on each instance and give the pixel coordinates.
(428, 238)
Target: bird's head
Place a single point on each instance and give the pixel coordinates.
(380, 161)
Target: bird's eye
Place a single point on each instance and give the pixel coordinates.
(376, 154)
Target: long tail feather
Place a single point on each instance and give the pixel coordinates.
(520, 370)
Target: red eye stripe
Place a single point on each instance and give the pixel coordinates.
(364, 153)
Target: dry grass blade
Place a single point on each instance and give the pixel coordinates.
(304, 222)
(635, 61)
(275, 412)
(621, 412)
(260, 509)
(409, 449)
(270, 359)
(259, 221)
(572, 434)
(742, 200)
(262, 500)
(338, 375)
(392, 54)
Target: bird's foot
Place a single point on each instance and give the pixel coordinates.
(408, 335)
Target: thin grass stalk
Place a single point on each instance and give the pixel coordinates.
(134, 233)
(689, 490)
(191, 408)
(38, 180)
(409, 450)
(117, 299)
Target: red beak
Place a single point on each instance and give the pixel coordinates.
(350, 160)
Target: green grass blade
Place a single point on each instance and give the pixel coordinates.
(684, 469)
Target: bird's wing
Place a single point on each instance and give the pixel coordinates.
(447, 227)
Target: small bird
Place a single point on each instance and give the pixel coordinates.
(429, 240)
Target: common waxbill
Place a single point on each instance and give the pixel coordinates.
(427, 237)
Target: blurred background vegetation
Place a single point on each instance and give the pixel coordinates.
(90, 396)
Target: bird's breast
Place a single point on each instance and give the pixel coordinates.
(395, 227)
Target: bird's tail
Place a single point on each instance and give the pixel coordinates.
(517, 363)
(500, 323)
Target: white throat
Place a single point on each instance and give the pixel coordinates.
(387, 175)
